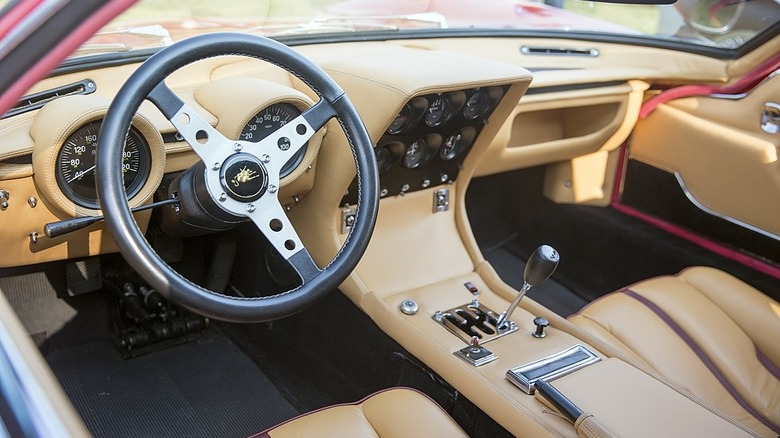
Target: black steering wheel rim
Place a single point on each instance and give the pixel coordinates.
(128, 237)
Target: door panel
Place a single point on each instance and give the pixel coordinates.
(725, 162)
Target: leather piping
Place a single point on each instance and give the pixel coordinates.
(705, 359)
(768, 364)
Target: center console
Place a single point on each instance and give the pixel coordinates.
(423, 280)
(626, 400)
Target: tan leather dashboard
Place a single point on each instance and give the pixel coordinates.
(582, 125)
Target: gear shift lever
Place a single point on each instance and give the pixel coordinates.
(539, 268)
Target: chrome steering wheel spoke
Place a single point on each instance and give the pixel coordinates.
(243, 177)
(240, 177)
(269, 217)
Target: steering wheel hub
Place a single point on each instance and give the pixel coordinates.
(244, 177)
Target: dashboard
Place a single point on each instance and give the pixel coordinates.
(433, 115)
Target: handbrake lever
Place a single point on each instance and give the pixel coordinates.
(585, 424)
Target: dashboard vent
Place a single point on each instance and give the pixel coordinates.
(37, 100)
(558, 51)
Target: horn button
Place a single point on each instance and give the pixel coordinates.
(244, 177)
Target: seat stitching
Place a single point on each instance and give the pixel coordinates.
(706, 360)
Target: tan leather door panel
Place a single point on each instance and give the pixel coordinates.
(727, 164)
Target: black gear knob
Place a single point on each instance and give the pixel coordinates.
(541, 265)
(539, 268)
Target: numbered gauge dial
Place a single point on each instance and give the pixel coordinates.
(75, 170)
(401, 121)
(476, 105)
(267, 121)
(457, 143)
(438, 111)
(417, 154)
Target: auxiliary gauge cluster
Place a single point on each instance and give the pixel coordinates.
(426, 143)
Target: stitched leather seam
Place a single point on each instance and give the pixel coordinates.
(705, 360)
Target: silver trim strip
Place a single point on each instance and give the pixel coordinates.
(707, 210)
(551, 367)
(559, 51)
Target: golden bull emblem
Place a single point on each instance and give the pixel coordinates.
(244, 175)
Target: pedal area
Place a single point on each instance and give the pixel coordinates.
(141, 320)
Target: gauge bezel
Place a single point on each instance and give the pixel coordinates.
(453, 105)
(395, 152)
(57, 121)
(468, 134)
(93, 203)
(431, 144)
(417, 108)
(481, 109)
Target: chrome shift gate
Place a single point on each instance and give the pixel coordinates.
(473, 319)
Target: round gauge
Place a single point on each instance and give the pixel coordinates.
(475, 105)
(383, 159)
(401, 121)
(457, 143)
(416, 154)
(438, 111)
(75, 169)
(267, 121)
(451, 146)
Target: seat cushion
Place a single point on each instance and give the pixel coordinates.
(708, 332)
(393, 413)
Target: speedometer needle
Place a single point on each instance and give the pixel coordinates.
(79, 175)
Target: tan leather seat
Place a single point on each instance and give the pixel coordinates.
(708, 332)
(394, 413)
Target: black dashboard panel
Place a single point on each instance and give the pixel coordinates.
(426, 143)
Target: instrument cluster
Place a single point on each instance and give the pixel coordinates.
(427, 141)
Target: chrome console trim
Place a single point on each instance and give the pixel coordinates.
(473, 319)
(551, 367)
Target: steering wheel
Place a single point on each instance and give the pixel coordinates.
(235, 180)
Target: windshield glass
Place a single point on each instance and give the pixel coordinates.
(713, 23)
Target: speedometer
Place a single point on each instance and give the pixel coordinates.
(267, 121)
(75, 166)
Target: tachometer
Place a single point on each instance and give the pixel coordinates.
(75, 168)
(267, 121)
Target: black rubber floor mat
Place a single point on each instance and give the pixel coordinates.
(207, 388)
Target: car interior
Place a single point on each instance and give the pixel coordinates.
(486, 236)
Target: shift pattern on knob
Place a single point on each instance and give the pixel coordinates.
(541, 265)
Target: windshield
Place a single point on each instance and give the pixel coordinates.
(726, 24)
